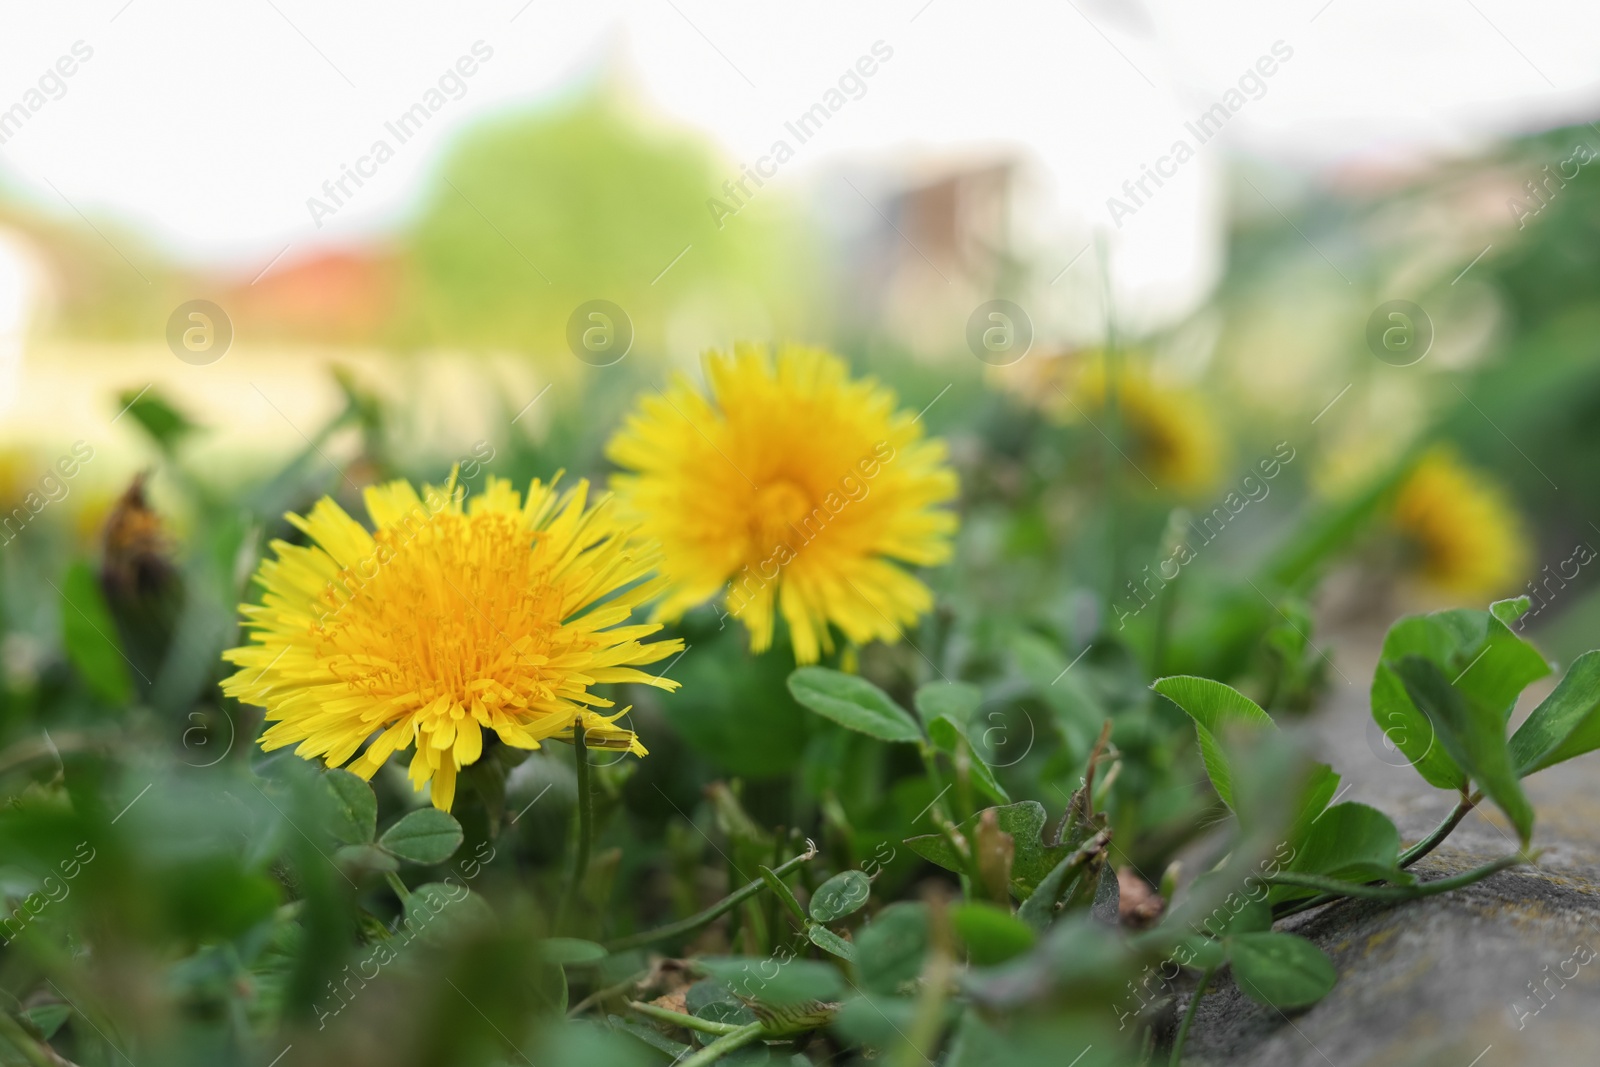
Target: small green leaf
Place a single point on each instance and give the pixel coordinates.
(1106, 906)
(1565, 724)
(427, 835)
(1403, 725)
(355, 808)
(784, 893)
(1203, 952)
(1478, 654)
(90, 636)
(956, 701)
(48, 1018)
(947, 736)
(437, 911)
(992, 935)
(710, 999)
(1281, 970)
(1024, 821)
(1473, 733)
(1511, 609)
(363, 858)
(889, 949)
(830, 942)
(166, 425)
(1352, 842)
(1237, 912)
(879, 1021)
(1039, 908)
(841, 895)
(1215, 709)
(853, 703)
(569, 951)
(1495, 665)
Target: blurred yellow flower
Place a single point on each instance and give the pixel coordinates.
(1467, 536)
(793, 487)
(1174, 437)
(445, 621)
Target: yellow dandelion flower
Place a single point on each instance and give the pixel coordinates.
(1174, 439)
(450, 618)
(1467, 536)
(794, 487)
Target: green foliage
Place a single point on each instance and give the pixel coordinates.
(1216, 709)
(956, 702)
(1565, 724)
(535, 213)
(842, 895)
(890, 949)
(89, 636)
(992, 934)
(165, 424)
(854, 703)
(566, 951)
(1280, 970)
(1352, 842)
(353, 819)
(1478, 655)
(1025, 823)
(426, 836)
(1474, 735)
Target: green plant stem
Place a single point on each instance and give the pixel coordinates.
(25, 1043)
(1407, 858)
(687, 1022)
(1442, 831)
(706, 917)
(627, 985)
(398, 886)
(1188, 1018)
(724, 1045)
(961, 765)
(1393, 894)
(938, 975)
(580, 862)
(941, 819)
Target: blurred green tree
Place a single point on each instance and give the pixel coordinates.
(538, 212)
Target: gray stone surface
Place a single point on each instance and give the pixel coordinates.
(1448, 980)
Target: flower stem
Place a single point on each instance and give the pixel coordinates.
(709, 915)
(1442, 831)
(724, 1045)
(1394, 894)
(398, 886)
(686, 1022)
(1188, 1018)
(24, 1043)
(580, 862)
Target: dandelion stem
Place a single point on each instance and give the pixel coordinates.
(706, 917)
(580, 862)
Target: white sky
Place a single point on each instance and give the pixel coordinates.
(208, 125)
